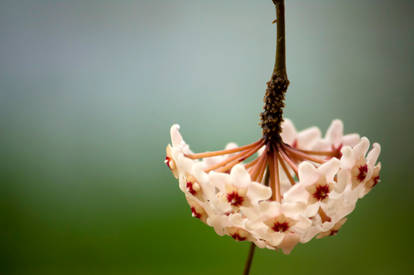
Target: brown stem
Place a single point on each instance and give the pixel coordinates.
(223, 152)
(249, 259)
(252, 163)
(262, 170)
(256, 170)
(317, 153)
(286, 170)
(272, 116)
(304, 156)
(277, 195)
(290, 162)
(237, 158)
(280, 62)
(271, 167)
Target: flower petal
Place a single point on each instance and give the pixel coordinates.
(361, 148)
(373, 154)
(239, 176)
(257, 192)
(347, 159)
(335, 132)
(289, 242)
(295, 194)
(351, 139)
(176, 138)
(308, 173)
(288, 133)
(330, 168)
(343, 179)
(308, 137)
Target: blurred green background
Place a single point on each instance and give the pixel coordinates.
(89, 89)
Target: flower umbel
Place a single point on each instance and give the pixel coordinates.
(310, 191)
(283, 189)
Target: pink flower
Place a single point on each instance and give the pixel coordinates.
(314, 183)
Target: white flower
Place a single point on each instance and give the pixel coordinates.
(274, 222)
(314, 183)
(237, 189)
(360, 172)
(335, 139)
(305, 139)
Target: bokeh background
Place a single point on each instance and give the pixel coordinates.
(89, 89)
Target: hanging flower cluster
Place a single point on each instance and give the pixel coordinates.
(288, 192)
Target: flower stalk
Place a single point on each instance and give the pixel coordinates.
(293, 186)
(249, 259)
(272, 116)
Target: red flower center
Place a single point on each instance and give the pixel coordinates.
(234, 199)
(333, 232)
(376, 180)
(322, 192)
(190, 188)
(363, 170)
(280, 227)
(337, 151)
(195, 213)
(167, 161)
(237, 237)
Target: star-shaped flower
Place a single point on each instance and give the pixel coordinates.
(310, 192)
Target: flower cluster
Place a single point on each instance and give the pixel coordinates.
(291, 192)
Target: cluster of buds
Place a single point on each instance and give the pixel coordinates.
(277, 195)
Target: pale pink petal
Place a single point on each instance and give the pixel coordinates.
(302, 225)
(219, 180)
(260, 243)
(236, 220)
(335, 132)
(310, 234)
(374, 154)
(347, 159)
(343, 179)
(240, 176)
(351, 139)
(289, 242)
(295, 194)
(288, 133)
(275, 238)
(308, 137)
(322, 145)
(330, 168)
(184, 164)
(231, 145)
(176, 138)
(361, 148)
(311, 210)
(293, 209)
(218, 223)
(308, 173)
(257, 192)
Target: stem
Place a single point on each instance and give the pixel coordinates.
(252, 245)
(280, 62)
(249, 259)
(267, 177)
(272, 116)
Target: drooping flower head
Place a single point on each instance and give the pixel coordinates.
(287, 187)
(313, 183)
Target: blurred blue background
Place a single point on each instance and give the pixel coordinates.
(89, 89)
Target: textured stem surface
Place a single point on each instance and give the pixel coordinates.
(272, 116)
